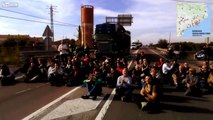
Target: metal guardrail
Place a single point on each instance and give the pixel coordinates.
(38, 53)
(165, 51)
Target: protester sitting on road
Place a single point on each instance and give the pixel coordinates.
(145, 69)
(210, 80)
(68, 73)
(160, 63)
(119, 67)
(23, 68)
(112, 77)
(155, 77)
(93, 84)
(166, 70)
(124, 85)
(42, 76)
(149, 99)
(203, 79)
(55, 74)
(191, 83)
(33, 71)
(178, 76)
(136, 76)
(175, 66)
(186, 67)
(5, 76)
(104, 70)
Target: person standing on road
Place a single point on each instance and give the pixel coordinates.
(63, 52)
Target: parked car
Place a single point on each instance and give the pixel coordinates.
(203, 55)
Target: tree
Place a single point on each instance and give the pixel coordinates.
(78, 42)
(9, 43)
(162, 43)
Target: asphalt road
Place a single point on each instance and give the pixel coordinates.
(175, 106)
(22, 100)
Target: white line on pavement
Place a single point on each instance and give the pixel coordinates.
(39, 111)
(103, 111)
(28, 89)
(158, 54)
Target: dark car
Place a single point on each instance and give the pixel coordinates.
(203, 55)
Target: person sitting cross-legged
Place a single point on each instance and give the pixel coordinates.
(210, 81)
(124, 85)
(94, 85)
(149, 98)
(6, 78)
(191, 83)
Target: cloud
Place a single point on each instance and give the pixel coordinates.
(152, 19)
(105, 12)
(7, 28)
(152, 22)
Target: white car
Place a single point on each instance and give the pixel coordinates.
(134, 46)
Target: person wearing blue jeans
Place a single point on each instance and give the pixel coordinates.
(94, 85)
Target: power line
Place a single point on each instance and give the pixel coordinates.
(20, 13)
(37, 17)
(3, 16)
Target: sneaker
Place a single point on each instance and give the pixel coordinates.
(85, 96)
(94, 97)
(123, 98)
(144, 105)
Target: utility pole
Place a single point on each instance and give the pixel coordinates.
(170, 38)
(51, 20)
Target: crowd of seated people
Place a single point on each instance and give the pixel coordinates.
(149, 78)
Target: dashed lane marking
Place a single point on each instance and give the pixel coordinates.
(28, 89)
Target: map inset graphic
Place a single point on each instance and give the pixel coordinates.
(193, 19)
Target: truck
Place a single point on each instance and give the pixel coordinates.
(112, 39)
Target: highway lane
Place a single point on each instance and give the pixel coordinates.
(175, 106)
(22, 99)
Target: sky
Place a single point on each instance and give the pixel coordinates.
(152, 19)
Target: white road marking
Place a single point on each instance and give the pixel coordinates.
(158, 54)
(61, 108)
(72, 107)
(103, 110)
(22, 91)
(28, 89)
(39, 111)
